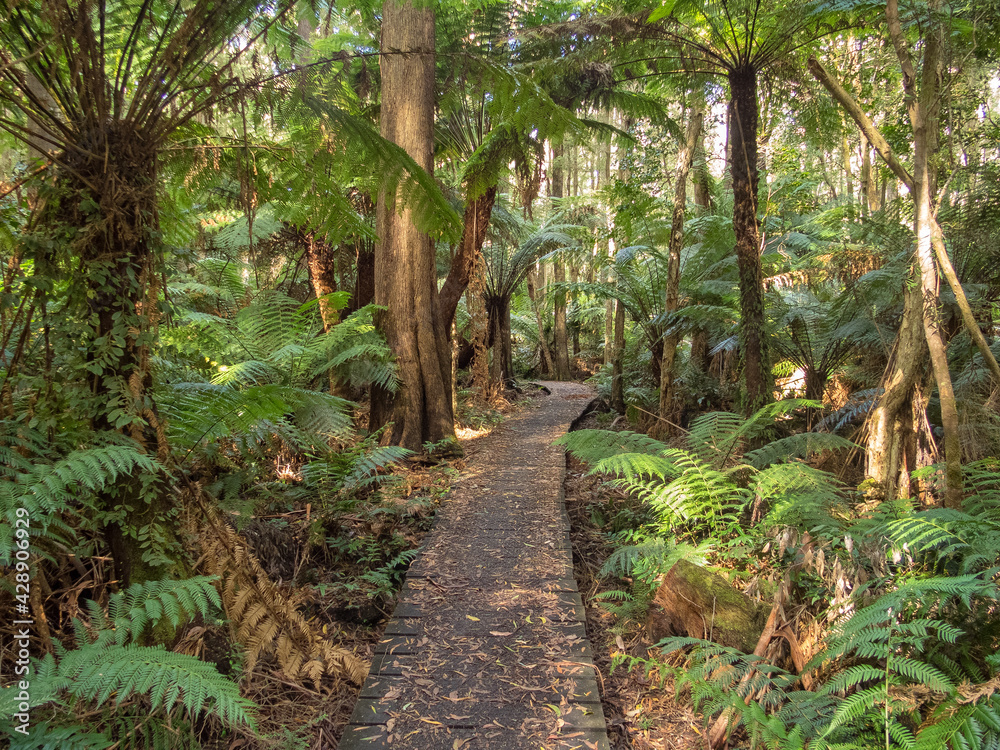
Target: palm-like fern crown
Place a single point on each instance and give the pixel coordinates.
(151, 67)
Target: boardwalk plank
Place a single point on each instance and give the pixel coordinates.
(487, 648)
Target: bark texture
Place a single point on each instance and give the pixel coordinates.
(743, 167)
(559, 331)
(405, 274)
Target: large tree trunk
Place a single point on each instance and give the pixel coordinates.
(405, 274)
(476, 222)
(743, 167)
(924, 107)
(672, 302)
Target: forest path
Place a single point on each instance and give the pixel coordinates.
(487, 648)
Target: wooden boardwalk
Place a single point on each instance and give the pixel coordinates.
(487, 648)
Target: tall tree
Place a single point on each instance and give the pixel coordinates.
(405, 278)
(672, 297)
(560, 333)
(891, 424)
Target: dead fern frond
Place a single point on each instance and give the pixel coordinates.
(263, 619)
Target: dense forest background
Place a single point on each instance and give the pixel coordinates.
(262, 260)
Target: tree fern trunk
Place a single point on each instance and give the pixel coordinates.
(321, 260)
(112, 204)
(743, 167)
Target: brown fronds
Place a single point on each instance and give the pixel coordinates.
(263, 619)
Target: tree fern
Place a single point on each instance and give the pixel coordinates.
(144, 605)
(721, 437)
(968, 539)
(46, 736)
(801, 445)
(890, 678)
(652, 558)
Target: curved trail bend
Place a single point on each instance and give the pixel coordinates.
(487, 648)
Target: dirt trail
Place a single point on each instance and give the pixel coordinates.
(487, 648)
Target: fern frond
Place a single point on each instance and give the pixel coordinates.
(264, 620)
(591, 446)
(801, 446)
(144, 604)
(46, 736)
(97, 673)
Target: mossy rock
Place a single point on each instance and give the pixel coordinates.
(698, 603)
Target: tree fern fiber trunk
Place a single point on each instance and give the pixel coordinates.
(405, 275)
(743, 167)
(321, 261)
(108, 203)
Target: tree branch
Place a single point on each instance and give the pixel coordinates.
(862, 120)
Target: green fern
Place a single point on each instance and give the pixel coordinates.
(45, 736)
(720, 438)
(591, 446)
(106, 668)
(44, 491)
(647, 560)
(141, 606)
